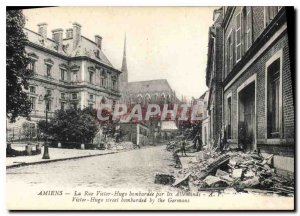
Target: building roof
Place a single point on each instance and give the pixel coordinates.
(203, 95)
(149, 86)
(85, 48)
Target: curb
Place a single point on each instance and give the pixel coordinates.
(55, 160)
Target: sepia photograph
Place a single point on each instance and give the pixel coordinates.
(150, 108)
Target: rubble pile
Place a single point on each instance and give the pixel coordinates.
(243, 172)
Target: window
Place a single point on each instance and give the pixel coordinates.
(74, 96)
(98, 75)
(270, 13)
(62, 95)
(114, 83)
(205, 135)
(31, 66)
(32, 89)
(273, 85)
(102, 78)
(229, 118)
(238, 37)
(32, 103)
(49, 92)
(63, 74)
(91, 78)
(74, 105)
(48, 70)
(248, 36)
(62, 105)
(74, 76)
(229, 61)
(91, 97)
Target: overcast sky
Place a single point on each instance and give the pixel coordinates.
(162, 42)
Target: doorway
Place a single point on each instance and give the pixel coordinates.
(246, 117)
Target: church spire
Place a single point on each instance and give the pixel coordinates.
(124, 74)
(124, 63)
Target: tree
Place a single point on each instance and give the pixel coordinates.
(73, 125)
(17, 101)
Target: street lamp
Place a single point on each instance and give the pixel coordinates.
(46, 148)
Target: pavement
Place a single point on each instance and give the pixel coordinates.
(133, 169)
(56, 154)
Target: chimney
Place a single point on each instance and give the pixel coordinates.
(69, 33)
(57, 36)
(42, 30)
(76, 34)
(98, 41)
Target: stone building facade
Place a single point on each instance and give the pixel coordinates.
(257, 96)
(205, 120)
(214, 78)
(72, 69)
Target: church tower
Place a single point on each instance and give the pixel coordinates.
(124, 75)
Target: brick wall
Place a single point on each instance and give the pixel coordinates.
(259, 67)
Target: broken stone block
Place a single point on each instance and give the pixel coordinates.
(250, 182)
(267, 159)
(209, 180)
(249, 174)
(267, 167)
(221, 173)
(232, 163)
(227, 178)
(237, 173)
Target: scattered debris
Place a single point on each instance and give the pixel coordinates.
(164, 179)
(182, 180)
(233, 171)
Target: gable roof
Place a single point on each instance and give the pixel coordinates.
(149, 86)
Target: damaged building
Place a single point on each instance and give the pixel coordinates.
(252, 69)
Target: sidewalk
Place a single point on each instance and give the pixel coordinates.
(56, 154)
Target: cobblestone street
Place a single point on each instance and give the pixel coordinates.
(132, 169)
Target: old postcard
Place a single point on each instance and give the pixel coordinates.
(150, 108)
